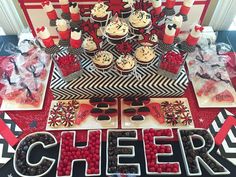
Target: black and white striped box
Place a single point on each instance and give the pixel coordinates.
(111, 83)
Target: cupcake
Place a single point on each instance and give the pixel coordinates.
(117, 31)
(125, 64)
(139, 20)
(89, 46)
(99, 13)
(145, 55)
(127, 9)
(103, 60)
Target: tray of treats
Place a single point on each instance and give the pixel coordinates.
(24, 78)
(211, 81)
(145, 112)
(83, 114)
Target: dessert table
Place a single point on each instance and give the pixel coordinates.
(34, 121)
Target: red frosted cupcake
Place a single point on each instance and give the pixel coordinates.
(103, 60)
(99, 13)
(89, 46)
(140, 20)
(117, 31)
(125, 64)
(145, 55)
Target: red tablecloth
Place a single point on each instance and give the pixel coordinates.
(25, 118)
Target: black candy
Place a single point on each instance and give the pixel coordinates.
(137, 103)
(143, 109)
(96, 110)
(95, 100)
(191, 154)
(102, 105)
(137, 118)
(109, 99)
(113, 151)
(103, 117)
(21, 164)
(111, 111)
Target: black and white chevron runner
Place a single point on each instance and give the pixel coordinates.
(6, 151)
(111, 83)
(228, 146)
(219, 121)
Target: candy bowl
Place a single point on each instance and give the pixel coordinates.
(90, 153)
(21, 163)
(151, 137)
(68, 65)
(171, 63)
(193, 154)
(115, 151)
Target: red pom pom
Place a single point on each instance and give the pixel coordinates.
(142, 31)
(96, 26)
(86, 28)
(125, 47)
(153, 31)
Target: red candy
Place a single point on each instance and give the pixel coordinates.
(151, 159)
(68, 64)
(171, 62)
(90, 153)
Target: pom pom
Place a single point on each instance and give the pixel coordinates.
(116, 6)
(125, 47)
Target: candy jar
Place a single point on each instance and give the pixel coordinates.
(68, 66)
(171, 63)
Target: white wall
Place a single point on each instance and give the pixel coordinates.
(9, 18)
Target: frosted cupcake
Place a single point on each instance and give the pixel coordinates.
(152, 40)
(125, 64)
(145, 55)
(127, 9)
(117, 31)
(89, 46)
(99, 13)
(140, 20)
(103, 60)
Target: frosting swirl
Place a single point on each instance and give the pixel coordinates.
(117, 28)
(125, 62)
(99, 10)
(145, 54)
(89, 44)
(140, 19)
(103, 58)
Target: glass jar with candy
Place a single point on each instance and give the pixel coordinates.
(171, 63)
(68, 66)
